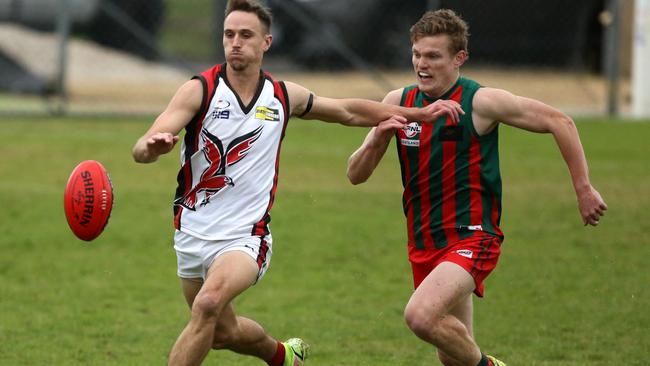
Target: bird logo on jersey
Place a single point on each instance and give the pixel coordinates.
(214, 178)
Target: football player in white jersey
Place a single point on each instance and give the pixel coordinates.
(234, 116)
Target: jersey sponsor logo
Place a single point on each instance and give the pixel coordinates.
(412, 129)
(408, 142)
(214, 178)
(220, 111)
(267, 114)
(451, 133)
(221, 104)
(465, 253)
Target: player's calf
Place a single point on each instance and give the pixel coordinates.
(224, 338)
(447, 360)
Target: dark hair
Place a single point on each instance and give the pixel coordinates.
(443, 21)
(251, 6)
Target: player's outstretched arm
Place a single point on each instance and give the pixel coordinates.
(162, 136)
(360, 112)
(362, 163)
(493, 105)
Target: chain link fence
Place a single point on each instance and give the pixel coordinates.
(129, 56)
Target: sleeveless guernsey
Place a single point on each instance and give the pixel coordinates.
(451, 178)
(230, 159)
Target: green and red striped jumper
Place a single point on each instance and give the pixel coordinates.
(451, 178)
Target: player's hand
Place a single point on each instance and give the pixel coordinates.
(386, 129)
(390, 125)
(442, 107)
(592, 206)
(161, 143)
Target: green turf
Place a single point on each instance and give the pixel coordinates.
(562, 294)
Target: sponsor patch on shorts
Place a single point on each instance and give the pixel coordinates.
(465, 253)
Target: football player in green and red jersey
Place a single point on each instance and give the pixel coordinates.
(452, 183)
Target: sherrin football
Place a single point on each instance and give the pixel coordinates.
(88, 199)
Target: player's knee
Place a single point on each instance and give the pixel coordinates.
(207, 305)
(417, 320)
(423, 323)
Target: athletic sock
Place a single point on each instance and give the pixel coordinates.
(484, 361)
(278, 359)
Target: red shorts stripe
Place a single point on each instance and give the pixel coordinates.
(261, 257)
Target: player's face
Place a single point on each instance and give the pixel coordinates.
(436, 68)
(244, 40)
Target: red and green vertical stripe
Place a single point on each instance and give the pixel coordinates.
(449, 185)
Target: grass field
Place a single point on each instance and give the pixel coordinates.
(562, 295)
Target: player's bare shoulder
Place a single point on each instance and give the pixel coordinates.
(184, 105)
(190, 94)
(488, 107)
(394, 96)
(489, 101)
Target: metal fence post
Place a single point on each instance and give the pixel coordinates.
(611, 19)
(63, 30)
(641, 53)
(219, 17)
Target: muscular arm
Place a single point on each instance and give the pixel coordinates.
(493, 105)
(362, 163)
(357, 112)
(163, 133)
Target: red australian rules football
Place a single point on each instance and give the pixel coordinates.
(88, 199)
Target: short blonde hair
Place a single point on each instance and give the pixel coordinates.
(443, 21)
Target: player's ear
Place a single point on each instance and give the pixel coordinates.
(460, 58)
(268, 40)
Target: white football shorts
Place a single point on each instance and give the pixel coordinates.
(195, 256)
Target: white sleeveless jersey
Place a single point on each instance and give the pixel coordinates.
(230, 159)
